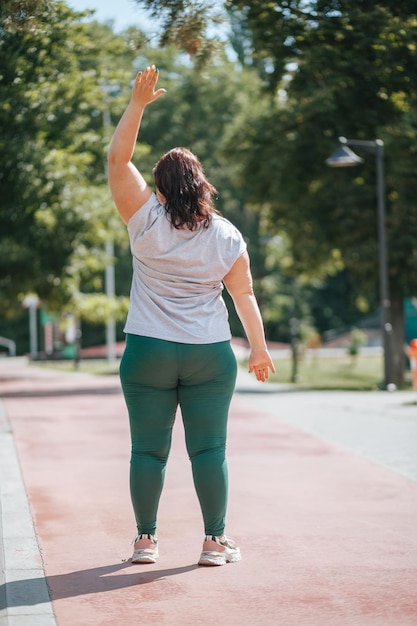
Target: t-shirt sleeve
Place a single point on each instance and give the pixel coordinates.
(242, 246)
(238, 246)
(144, 217)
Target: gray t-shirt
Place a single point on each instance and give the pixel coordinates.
(176, 291)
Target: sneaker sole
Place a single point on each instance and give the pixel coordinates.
(144, 558)
(221, 559)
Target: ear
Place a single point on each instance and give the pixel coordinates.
(161, 197)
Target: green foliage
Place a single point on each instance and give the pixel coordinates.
(327, 68)
(357, 339)
(341, 68)
(56, 215)
(22, 14)
(332, 68)
(53, 70)
(186, 25)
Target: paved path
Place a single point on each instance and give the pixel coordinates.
(326, 521)
(376, 425)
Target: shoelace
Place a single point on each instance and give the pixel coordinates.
(222, 542)
(152, 538)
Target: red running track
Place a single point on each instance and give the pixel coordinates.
(327, 538)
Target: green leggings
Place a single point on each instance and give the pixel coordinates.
(157, 376)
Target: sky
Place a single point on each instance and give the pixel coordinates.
(123, 13)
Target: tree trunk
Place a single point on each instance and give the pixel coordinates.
(398, 340)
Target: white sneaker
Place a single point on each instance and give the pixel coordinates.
(219, 551)
(145, 549)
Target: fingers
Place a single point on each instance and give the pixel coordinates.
(159, 93)
(149, 76)
(262, 374)
(261, 370)
(146, 82)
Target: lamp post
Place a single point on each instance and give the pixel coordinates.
(345, 157)
(110, 293)
(110, 273)
(31, 302)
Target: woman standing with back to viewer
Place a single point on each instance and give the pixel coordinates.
(178, 349)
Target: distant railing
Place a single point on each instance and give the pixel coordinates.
(9, 344)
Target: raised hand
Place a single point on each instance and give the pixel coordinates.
(143, 91)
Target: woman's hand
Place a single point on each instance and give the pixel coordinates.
(260, 362)
(143, 91)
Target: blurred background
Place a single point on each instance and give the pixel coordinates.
(262, 92)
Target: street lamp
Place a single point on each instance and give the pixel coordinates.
(345, 157)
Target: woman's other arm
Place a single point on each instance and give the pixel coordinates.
(238, 283)
(127, 185)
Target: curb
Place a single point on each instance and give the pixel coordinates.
(24, 594)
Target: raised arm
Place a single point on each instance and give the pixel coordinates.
(127, 185)
(238, 283)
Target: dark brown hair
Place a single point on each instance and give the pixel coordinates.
(179, 176)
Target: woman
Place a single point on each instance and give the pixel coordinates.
(178, 349)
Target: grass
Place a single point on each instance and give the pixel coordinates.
(100, 367)
(364, 373)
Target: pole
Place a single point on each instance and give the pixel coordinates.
(110, 292)
(33, 331)
(386, 325)
(377, 148)
(294, 329)
(31, 302)
(109, 276)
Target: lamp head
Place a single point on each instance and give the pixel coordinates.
(343, 157)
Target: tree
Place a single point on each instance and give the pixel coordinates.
(23, 14)
(184, 24)
(354, 73)
(51, 146)
(56, 213)
(332, 67)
